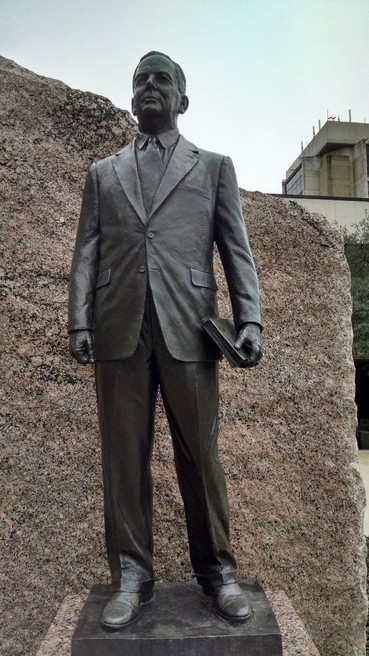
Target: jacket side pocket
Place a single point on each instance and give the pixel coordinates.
(103, 278)
(203, 279)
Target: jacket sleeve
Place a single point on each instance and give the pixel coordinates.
(234, 248)
(86, 257)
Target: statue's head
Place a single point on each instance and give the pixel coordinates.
(159, 92)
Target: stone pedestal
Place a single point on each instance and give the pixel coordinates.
(179, 622)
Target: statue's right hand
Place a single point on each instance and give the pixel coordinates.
(81, 346)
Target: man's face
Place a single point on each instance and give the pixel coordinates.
(157, 100)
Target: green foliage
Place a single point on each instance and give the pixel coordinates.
(357, 254)
(363, 424)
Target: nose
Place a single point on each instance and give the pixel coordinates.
(151, 82)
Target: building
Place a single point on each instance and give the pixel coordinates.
(331, 175)
(333, 164)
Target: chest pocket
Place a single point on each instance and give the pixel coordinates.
(195, 190)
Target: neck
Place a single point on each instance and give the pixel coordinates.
(156, 127)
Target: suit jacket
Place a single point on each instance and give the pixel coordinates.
(119, 251)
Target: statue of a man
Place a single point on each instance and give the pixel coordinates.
(142, 283)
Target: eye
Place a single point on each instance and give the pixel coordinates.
(163, 77)
(140, 79)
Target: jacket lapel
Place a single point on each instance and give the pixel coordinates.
(184, 158)
(126, 169)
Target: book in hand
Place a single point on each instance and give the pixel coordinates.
(224, 334)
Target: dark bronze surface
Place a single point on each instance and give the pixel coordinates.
(179, 622)
(141, 284)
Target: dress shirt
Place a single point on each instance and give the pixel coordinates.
(166, 142)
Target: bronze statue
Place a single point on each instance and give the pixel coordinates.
(142, 283)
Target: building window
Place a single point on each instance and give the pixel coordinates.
(294, 184)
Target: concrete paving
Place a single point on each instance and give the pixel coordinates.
(364, 470)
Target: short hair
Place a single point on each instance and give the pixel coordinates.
(180, 76)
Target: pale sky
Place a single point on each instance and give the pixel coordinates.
(260, 73)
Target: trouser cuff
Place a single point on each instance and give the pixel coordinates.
(133, 586)
(215, 580)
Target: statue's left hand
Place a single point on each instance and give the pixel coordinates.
(249, 336)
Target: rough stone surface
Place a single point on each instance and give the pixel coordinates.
(287, 428)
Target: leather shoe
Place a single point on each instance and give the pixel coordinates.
(230, 602)
(123, 609)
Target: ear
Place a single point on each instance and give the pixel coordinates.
(133, 105)
(183, 105)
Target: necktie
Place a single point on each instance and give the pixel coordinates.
(151, 172)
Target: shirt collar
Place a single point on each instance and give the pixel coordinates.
(166, 139)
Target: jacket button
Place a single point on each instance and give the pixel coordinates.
(142, 269)
(150, 235)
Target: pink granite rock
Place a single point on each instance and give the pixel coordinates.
(287, 427)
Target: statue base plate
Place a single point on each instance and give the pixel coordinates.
(179, 621)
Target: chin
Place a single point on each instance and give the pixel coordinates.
(148, 112)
